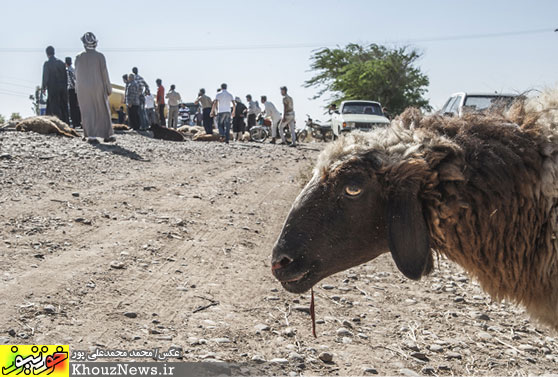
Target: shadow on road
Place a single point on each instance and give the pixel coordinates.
(117, 149)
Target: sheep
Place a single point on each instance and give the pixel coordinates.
(45, 125)
(481, 190)
(166, 133)
(205, 137)
(120, 127)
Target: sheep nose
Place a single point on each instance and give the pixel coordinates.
(280, 261)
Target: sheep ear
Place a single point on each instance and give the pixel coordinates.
(409, 241)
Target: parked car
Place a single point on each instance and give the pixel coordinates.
(357, 115)
(461, 103)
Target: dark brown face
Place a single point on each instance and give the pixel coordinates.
(338, 221)
(350, 216)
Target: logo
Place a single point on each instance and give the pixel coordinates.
(51, 360)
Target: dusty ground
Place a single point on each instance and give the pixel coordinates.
(125, 246)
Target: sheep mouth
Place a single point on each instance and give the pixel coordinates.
(300, 283)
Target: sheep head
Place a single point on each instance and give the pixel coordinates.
(352, 212)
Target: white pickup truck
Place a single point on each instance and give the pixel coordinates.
(358, 115)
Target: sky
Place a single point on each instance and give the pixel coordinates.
(258, 46)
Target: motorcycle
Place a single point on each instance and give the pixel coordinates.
(262, 131)
(319, 131)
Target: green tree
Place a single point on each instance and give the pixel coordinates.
(374, 72)
(15, 116)
(2, 119)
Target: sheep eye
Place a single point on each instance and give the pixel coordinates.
(353, 190)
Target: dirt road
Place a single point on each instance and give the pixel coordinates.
(150, 243)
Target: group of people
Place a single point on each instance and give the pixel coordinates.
(227, 110)
(79, 96)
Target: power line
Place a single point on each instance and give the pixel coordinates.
(12, 94)
(287, 45)
(18, 85)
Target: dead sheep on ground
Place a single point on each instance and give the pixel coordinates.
(45, 125)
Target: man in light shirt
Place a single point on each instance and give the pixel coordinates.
(271, 111)
(224, 102)
(150, 108)
(205, 102)
(288, 116)
(174, 101)
(253, 111)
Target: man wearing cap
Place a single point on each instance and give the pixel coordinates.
(55, 82)
(93, 88)
(72, 97)
(288, 116)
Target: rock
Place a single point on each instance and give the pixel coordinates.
(343, 332)
(131, 314)
(362, 336)
(346, 340)
(527, 348)
(408, 373)
(436, 348)
(75, 194)
(11, 332)
(289, 331)
(444, 367)
(420, 356)
(410, 301)
(347, 324)
(411, 345)
(5, 156)
(261, 327)
(302, 308)
(221, 340)
(428, 370)
(49, 309)
(258, 359)
(368, 370)
(193, 341)
(453, 355)
(328, 286)
(294, 356)
(326, 357)
(483, 317)
(484, 335)
(117, 265)
(279, 361)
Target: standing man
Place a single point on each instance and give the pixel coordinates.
(271, 111)
(253, 111)
(143, 89)
(133, 102)
(161, 102)
(75, 115)
(205, 102)
(93, 88)
(150, 108)
(174, 101)
(55, 81)
(288, 116)
(224, 101)
(238, 119)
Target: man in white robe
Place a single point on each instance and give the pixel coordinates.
(93, 88)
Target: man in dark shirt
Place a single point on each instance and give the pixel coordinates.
(55, 82)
